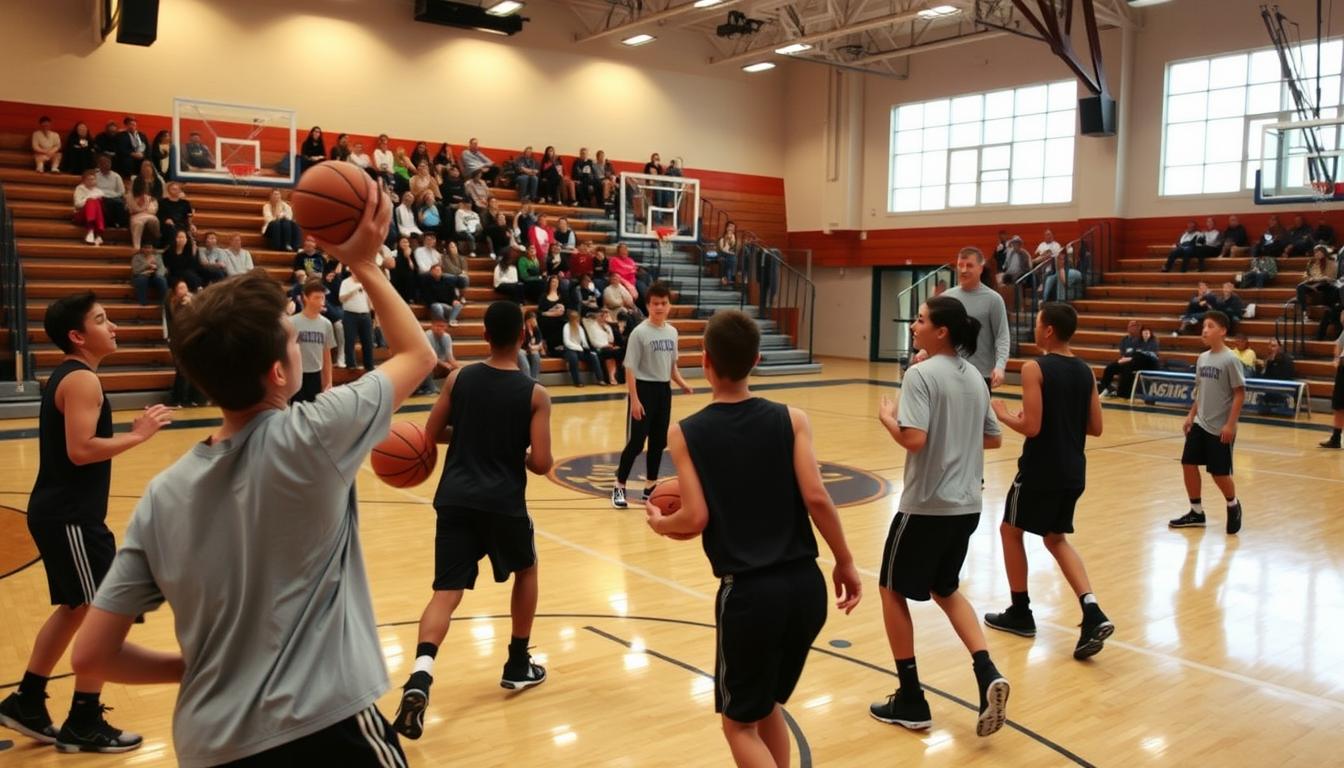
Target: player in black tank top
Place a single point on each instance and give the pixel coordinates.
(1060, 408)
(738, 464)
(66, 514)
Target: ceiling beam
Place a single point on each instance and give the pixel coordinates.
(656, 17)
(925, 47)
(816, 37)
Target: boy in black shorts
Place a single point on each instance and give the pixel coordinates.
(758, 537)
(1051, 474)
(1211, 425)
(496, 422)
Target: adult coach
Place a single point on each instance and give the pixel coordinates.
(1051, 474)
(67, 511)
(252, 538)
(986, 306)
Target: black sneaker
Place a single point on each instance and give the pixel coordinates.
(1329, 444)
(410, 718)
(1234, 518)
(906, 711)
(1096, 628)
(993, 703)
(522, 676)
(1191, 519)
(1014, 620)
(31, 720)
(98, 736)
(648, 492)
(618, 498)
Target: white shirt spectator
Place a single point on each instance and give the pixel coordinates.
(361, 159)
(505, 275)
(406, 221)
(269, 214)
(1210, 236)
(467, 221)
(353, 297)
(383, 160)
(426, 258)
(237, 263)
(111, 184)
(575, 339)
(83, 194)
(1049, 247)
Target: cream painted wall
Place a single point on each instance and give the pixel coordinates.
(844, 311)
(366, 66)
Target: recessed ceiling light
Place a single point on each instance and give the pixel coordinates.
(938, 11)
(759, 66)
(504, 8)
(640, 39)
(793, 48)
(705, 3)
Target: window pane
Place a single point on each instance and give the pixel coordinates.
(1031, 99)
(967, 109)
(1029, 127)
(1263, 98)
(1223, 141)
(934, 168)
(907, 171)
(1329, 90)
(1188, 77)
(910, 116)
(966, 135)
(1027, 192)
(1185, 144)
(935, 138)
(961, 195)
(998, 104)
(1063, 95)
(1059, 157)
(1254, 134)
(905, 200)
(1028, 161)
(1332, 53)
(1264, 67)
(935, 112)
(999, 130)
(932, 198)
(1183, 181)
(1227, 71)
(1058, 189)
(993, 192)
(995, 157)
(1191, 106)
(1059, 124)
(1228, 102)
(909, 141)
(963, 166)
(1222, 177)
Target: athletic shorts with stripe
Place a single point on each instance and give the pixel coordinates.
(363, 741)
(924, 554)
(767, 621)
(1040, 509)
(76, 557)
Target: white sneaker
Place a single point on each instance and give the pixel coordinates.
(618, 498)
(88, 237)
(97, 240)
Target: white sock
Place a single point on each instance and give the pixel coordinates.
(1197, 508)
(1232, 502)
(1089, 598)
(424, 664)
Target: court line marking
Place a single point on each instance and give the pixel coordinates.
(1249, 471)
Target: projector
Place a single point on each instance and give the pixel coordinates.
(466, 16)
(738, 25)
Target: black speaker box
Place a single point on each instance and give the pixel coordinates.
(139, 23)
(1096, 116)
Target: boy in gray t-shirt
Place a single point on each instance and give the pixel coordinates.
(253, 539)
(317, 337)
(1211, 425)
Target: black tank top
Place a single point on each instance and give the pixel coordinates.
(65, 492)
(1055, 457)
(743, 454)
(491, 417)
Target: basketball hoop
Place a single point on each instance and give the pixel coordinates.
(1323, 188)
(664, 235)
(242, 170)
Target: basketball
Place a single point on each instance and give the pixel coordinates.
(667, 496)
(329, 200)
(406, 458)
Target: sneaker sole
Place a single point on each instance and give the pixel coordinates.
(1094, 643)
(410, 718)
(73, 748)
(614, 505)
(18, 727)
(1187, 525)
(520, 685)
(996, 709)
(913, 725)
(1011, 630)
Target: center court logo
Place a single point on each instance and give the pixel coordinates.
(595, 474)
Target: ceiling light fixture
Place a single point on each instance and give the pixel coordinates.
(759, 66)
(938, 11)
(793, 48)
(705, 3)
(504, 8)
(640, 39)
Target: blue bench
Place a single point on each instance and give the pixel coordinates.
(1285, 398)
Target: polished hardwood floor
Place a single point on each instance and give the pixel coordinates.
(1227, 651)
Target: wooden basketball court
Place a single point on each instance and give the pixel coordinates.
(1226, 652)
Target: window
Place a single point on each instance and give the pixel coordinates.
(1010, 147)
(1216, 110)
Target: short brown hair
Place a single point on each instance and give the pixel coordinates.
(229, 336)
(732, 343)
(971, 250)
(660, 290)
(313, 285)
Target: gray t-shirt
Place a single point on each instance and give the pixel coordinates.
(1216, 375)
(254, 543)
(651, 352)
(945, 397)
(316, 338)
(986, 305)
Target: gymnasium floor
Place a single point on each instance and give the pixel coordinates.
(1223, 653)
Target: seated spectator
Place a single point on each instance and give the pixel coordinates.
(624, 270)
(313, 150)
(443, 160)
(578, 347)
(467, 224)
(211, 258)
(147, 271)
(199, 157)
(183, 266)
(551, 178)
(1301, 237)
(89, 208)
(1332, 322)
(506, 280)
(80, 154)
(442, 344)
(540, 235)
(1138, 352)
(1279, 365)
(401, 166)
(106, 142)
(342, 149)
(456, 268)
(426, 257)
(1319, 275)
(1323, 234)
(162, 155)
(557, 263)
(1073, 287)
(477, 191)
(1264, 268)
(421, 155)
(1274, 241)
(1048, 247)
(236, 259)
(581, 260)
(474, 162)
(529, 355)
(604, 336)
(310, 260)
(1015, 263)
(424, 181)
(144, 213)
(587, 180)
(1209, 245)
(405, 218)
(403, 270)
(1001, 249)
(727, 251)
(1332, 297)
(529, 274)
(1241, 347)
(1185, 248)
(132, 147)
(427, 214)
(175, 213)
(601, 269)
(1231, 305)
(147, 181)
(552, 305)
(525, 178)
(1233, 237)
(114, 193)
(46, 145)
(1203, 301)
(442, 296)
(586, 298)
(385, 162)
(524, 219)
(501, 239)
(454, 188)
(278, 225)
(607, 174)
(361, 158)
(563, 235)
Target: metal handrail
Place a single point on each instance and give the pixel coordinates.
(1290, 329)
(950, 267)
(912, 296)
(1024, 311)
(14, 293)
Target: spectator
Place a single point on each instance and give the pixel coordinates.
(405, 217)
(132, 147)
(1231, 305)
(1241, 347)
(199, 157)
(526, 174)
(147, 272)
(442, 296)
(1016, 262)
(402, 167)
(106, 142)
(1185, 248)
(1317, 277)
(557, 263)
(466, 223)
(427, 214)
(310, 260)
(601, 269)
(313, 150)
(1323, 234)
(454, 188)
(423, 181)
(455, 268)
(426, 256)
(144, 212)
(623, 269)
(533, 346)
(1278, 365)
(1273, 242)
(1203, 301)
(474, 162)
(278, 225)
(551, 307)
(361, 158)
(147, 180)
(235, 259)
(506, 280)
(1264, 268)
(587, 180)
(563, 235)
(1048, 247)
(1001, 250)
(80, 153)
(211, 260)
(577, 347)
(539, 235)
(1209, 245)
(420, 155)
(529, 274)
(162, 155)
(442, 344)
(1233, 237)
(655, 166)
(46, 145)
(403, 269)
(316, 339)
(727, 249)
(1301, 237)
(501, 239)
(586, 298)
(443, 160)
(175, 214)
(89, 208)
(114, 193)
(357, 317)
(1333, 298)
(342, 149)
(607, 176)
(552, 177)
(477, 191)
(602, 335)
(385, 162)
(180, 259)
(523, 220)
(1073, 287)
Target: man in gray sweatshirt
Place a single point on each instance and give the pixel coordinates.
(986, 305)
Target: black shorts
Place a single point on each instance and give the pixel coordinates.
(766, 623)
(1040, 509)
(1337, 396)
(1203, 448)
(463, 536)
(309, 389)
(76, 556)
(924, 553)
(363, 741)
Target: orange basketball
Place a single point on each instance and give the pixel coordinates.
(330, 199)
(667, 496)
(406, 458)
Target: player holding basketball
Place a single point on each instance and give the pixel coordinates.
(67, 511)
(944, 423)
(1051, 474)
(497, 423)
(772, 598)
(252, 538)
(650, 363)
